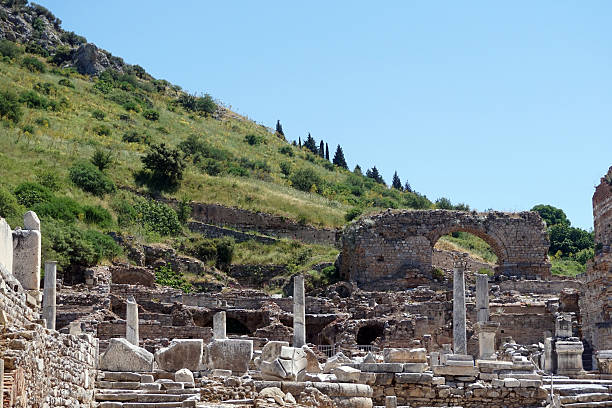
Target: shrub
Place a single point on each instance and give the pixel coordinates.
(165, 276)
(584, 255)
(9, 49)
(98, 114)
(286, 150)
(72, 38)
(33, 100)
(46, 88)
(130, 106)
(28, 129)
(29, 194)
(285, 168)
(50, 180)
(35, 48)
(89, 178)
(305, 179)
(59, 208)
(353, 213)
(211, 167)
(102, 160)
(9, 207)
(166, 166)
(44, 122)
(33, 64)
(62, 54)
(151, 114)
(204, 104)
(135, 137)
(9, 106)
(437, 273)
(204, 249)
(65, 82)
(225, 252)
(253, 139)
(95, 214)
(157, 217)
(101, 130)
(184, 210)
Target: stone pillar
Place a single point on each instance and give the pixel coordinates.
(48, 312)
(563, 325)
(569, 356)
(219, 326)
(549, 355)
(299, 312)
(482, 297)
(459, 334)
(486, 339)
(391, 401)
(434, 358)
(131, 321)
(26, 253)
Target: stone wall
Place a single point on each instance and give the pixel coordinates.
(213, 231)
(261, 222)
(47, 368)
(547, 287)
(596, 302)
(154, 330)
(390, 246)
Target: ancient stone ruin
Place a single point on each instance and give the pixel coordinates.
(465, 340)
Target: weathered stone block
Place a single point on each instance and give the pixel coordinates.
(404, 355)
(26, 258)
(455, 371)
(121, 355)
(181, 353)
(347, 374)
(230, 354)
(415, 367)
(184, 375)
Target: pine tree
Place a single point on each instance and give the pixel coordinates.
(326, 152)
(396, 183)
(311, 144)
(358, 170)
(375, 175)
(299, 142)
(407, 187)
(321, 149)
(279, 128)
(339, 158)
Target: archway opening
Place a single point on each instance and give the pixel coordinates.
(367, 334)
(234, 326)
(482, 249)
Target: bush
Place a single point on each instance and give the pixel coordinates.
(286, 150)
(44, 122)
(29, 194)
(130, 106)
(95, 214)
(9, 49)
(9, 106)
(157, 217)
(50, 180)
(59, 208)
(437, 273)
(253, 139)
(65, 82)
(33, 64)
(584, 255)
(72, 38)
(35, 48)
(98, 114)
(101, 130)
(184, 210)
(33, 100)
(285, 168)
(150, 114)
(204, 104)
(102, 160)
(28, 129)
(135, 137)
(165, 276)
(225, 252)
(89, 178)
(9, 207)
(204, 249)
(62, 54)
(305, 179)
(46, 88)
(166, 166)
(353, 213)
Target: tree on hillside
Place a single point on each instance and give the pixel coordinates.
(311, 144)
(407, 187)
(357, 170)
(322, 149)
(396, 183)
(299, 142)
(166, 166)
(326, 152)
(551, 215)
(375, 175)
(339, 158)
(444, 203)
(279, 129)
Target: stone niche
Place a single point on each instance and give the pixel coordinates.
(392, 246)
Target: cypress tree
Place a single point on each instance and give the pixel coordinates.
(407, 187)
(339, 158)
(279, 128)
(358, 170)
(396, 183)
(299, 141)
(321, 149)
(326, 152)
(311, 144)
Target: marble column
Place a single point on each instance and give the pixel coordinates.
(219, 327)
(482, 297)
(131, 321)
(49, 300)
(459, 334)
(299, 312)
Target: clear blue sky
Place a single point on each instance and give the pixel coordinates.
(499, 105)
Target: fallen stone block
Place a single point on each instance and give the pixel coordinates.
(347, 374)
(272, 349)
(122, 355)
(415, 367)
(511, 383)
(181, 353)
(184, 375)
(313, 363)
(526, 383)
(455, 371)
(336, 361)
(413, 378)
(230, 354)
(221, 373)
(380, 367)
(404, 355)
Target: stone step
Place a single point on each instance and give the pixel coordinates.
(588, 404)
(142, 398)
(576, 389)
(588, 397)
(145, 391)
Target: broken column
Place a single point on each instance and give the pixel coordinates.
(459, 334)
(26, 254)
(131, 321)
(486, 339)
(48, 312)
(219, 326)
(299, 312)
(482, 297)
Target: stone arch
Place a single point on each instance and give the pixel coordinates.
(368, 333)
